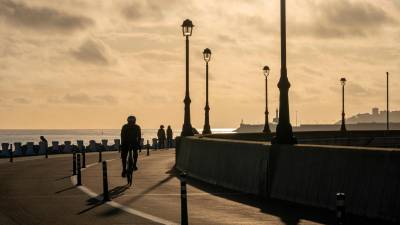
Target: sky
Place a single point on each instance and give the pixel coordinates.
(90, 64)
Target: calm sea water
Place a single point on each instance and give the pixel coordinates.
(11, 136)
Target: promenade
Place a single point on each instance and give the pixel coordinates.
(35, 190)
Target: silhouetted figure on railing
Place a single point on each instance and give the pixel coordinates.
(43, 146)
(130, 140)
(161, 137)
(170, 136)
(43, 139)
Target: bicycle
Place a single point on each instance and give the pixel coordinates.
(129, 168)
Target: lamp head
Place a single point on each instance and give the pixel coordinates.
(207, 54)
(187, 27)
(343, 81)
(266, 71)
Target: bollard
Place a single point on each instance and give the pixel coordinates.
(47, 152)
(78, 164)
(148, 148)
(82, 150)
(340, 208)
(79, 178)
(11, 154)
(184, 213)
(106, 196)
(100, 156)
(74, 163)
(83, 158)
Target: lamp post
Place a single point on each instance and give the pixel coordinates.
(207, 129)
(343, 127)
(187, 129)
(266, 126)
(284, 132)
(387, 101)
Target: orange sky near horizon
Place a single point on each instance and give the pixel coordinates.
(89, 64)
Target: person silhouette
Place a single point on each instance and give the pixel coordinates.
(130, 140)
(170, 135)
(161, 137)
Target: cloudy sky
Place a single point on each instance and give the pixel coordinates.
(89, 64)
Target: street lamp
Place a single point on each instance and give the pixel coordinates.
(387, 101)
(266, 126)
(187, 130)
(207, 129)
(343, 127)
(284, 132)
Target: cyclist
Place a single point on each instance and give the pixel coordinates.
(130, 140)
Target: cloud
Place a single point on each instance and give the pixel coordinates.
(310, 71)
(355, 89)
(140, 9)
(92, 51)
(83, 99)
(226, 39)
(78, 98)
(22, 100)
(132, 11)
(106, 99)
(41, 18)
(335, 19)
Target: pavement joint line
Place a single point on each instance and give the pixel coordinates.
(188, 194)
(118, 205)
(18, 159)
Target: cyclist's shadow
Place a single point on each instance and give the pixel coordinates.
(95, 202)
(118, 191)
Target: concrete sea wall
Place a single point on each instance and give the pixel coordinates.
(305, 174)
(367, 138)
(237, 165)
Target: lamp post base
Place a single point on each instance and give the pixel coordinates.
(206, 130)
(284, 135)
(187, 130)
(266, 130)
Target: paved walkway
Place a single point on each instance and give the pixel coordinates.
(156, 192)
(41, 191)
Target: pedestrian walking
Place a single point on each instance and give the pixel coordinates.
(170, 136)
(161, 137)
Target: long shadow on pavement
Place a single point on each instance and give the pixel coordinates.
(140, 195)
(288, 212)
(95, 202)
(65, 189)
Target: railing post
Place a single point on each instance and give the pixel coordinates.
(46, 151)
(11, 153)
(106, 196)
(82, 150)
(74, 163)
(100, 156)
(184, 212)
(148, 148)
(340, 208)
(79, 178)
(84, 158)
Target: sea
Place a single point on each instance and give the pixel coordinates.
(61, 135)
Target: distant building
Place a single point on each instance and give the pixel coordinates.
(362, 121)
(376, 117)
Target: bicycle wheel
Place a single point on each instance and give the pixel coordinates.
(129, 170)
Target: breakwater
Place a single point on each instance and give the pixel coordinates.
(55, 147)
